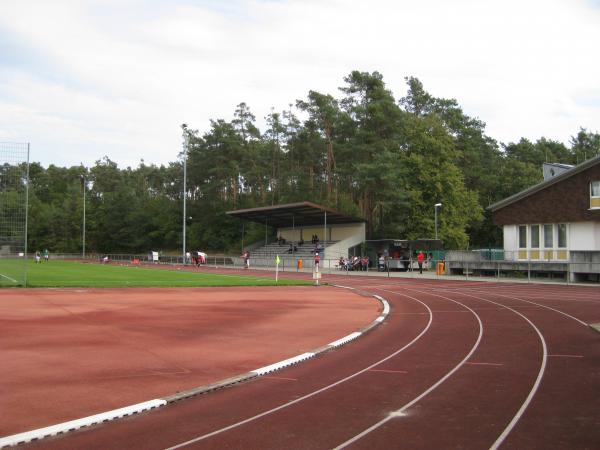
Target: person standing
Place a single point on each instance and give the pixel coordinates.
(46, 255)
(420, 259)
(246, 259)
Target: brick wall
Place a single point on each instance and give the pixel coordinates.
(565, 201)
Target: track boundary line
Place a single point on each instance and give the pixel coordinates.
(312, 394)
(538, 304)
(400, 412)
(538, 379)
(64, 427)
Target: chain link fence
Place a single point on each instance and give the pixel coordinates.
(14, 184)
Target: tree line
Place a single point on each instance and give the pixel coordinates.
(364, 153)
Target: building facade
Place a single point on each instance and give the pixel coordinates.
(554, 220)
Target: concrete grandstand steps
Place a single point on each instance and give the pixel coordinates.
(306, 250)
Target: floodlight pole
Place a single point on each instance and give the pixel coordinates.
(436, 206)
(185, 150)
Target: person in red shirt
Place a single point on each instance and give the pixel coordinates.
(420, 258)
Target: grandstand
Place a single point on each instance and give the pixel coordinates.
(296, 224)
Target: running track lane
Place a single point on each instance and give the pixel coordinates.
(427, 337)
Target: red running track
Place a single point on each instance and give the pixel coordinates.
(456, 365)
(72, 353)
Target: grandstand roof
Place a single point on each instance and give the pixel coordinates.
(293, 214)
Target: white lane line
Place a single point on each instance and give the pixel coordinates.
(319, 391)
(128, 410)
(538, 379)
(79, 423)
(401, 412)
(536, 304)
(8, 278)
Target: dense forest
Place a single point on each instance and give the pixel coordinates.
(364, 153)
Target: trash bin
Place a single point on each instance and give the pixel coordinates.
(439, 268)
(299, 264)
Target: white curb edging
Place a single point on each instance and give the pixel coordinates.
(282, 364)
(53, 430)
(72, 425)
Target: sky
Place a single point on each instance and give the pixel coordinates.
(85, 79)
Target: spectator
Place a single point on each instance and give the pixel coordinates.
(364, 261)
(420, 258)
(381, 262)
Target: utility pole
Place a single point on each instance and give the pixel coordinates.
(186, 141)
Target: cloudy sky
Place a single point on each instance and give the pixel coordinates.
(82, 79)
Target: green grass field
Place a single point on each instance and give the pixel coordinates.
(74, 274)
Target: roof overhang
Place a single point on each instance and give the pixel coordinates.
(544, 184)
(294, 214)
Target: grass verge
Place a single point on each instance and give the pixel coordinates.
(75, 274)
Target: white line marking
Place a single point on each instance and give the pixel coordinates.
(400, 412)
(79, 423)
(537, 382)
(9, 278)
(537, 304)
(312, 394)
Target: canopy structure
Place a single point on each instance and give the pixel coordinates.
(293, 214)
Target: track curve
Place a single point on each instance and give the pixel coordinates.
(456, 365)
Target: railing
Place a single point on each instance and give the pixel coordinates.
(457, 265)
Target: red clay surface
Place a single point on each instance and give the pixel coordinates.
(455, 365)
(71, 353)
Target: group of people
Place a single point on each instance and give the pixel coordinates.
(354, 263)
(38, 256)
(196, 258)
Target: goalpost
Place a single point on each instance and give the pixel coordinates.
(14, 195)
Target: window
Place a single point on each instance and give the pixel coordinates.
(522, 236)
(595, 194)
(562, 235)
(535, 236)
(548, 236)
